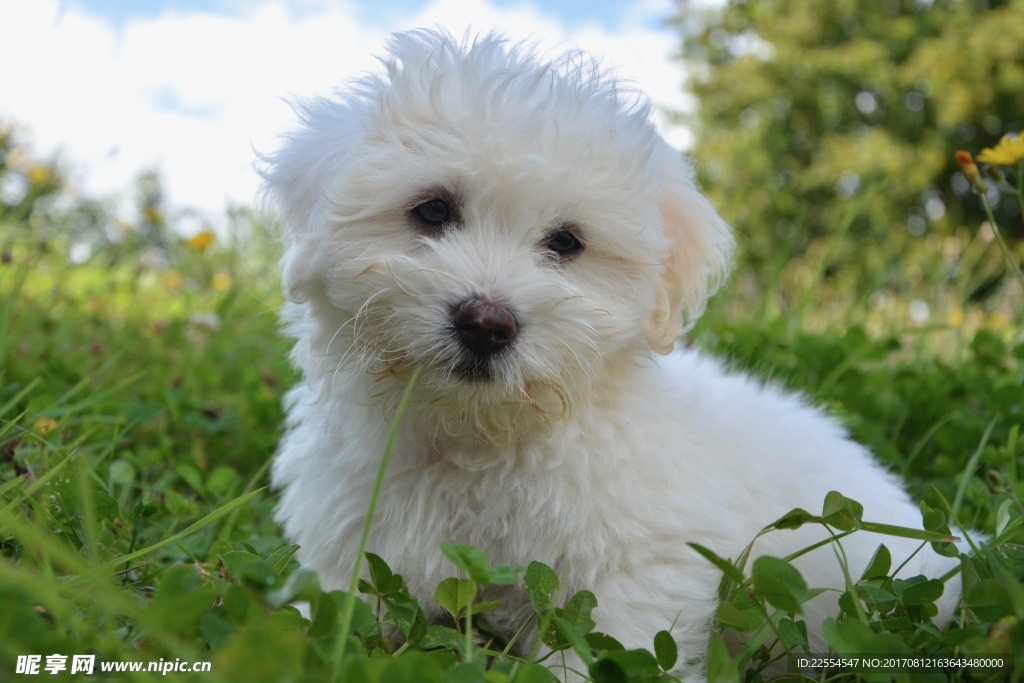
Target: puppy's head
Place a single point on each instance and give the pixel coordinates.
(512, 226)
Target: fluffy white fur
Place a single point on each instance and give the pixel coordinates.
(577, 445)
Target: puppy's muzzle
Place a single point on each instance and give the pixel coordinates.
(483, 327)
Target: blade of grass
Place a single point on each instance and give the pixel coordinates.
(972, 464)
(220, 512)
(229, 523)
(906, 532)
(39, 483)
(350, 599)
(13, 400)
(63, 599)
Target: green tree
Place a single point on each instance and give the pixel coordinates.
(817, 118)
(26, 184)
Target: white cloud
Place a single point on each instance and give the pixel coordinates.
(193, 93)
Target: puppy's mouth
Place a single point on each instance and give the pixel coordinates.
(471, 369)
(485, 330)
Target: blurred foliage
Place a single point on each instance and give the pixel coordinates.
(840, 120)
(38, 196)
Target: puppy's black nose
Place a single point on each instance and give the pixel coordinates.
(483, 327)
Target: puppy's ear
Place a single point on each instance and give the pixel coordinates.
(700, 251)
(295, 179)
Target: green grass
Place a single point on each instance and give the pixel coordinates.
(140, 408)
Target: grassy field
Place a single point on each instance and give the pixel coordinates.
(139, 411)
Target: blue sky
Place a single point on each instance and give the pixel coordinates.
(606, 13)
(193, 88)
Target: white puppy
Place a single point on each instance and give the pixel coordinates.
(517, 231)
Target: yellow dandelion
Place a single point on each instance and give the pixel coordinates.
(39, 174)
(1008, 152)
(956, 317)
(200, 242)
(221, 282)
(44, 426)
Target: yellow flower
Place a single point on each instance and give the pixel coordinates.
(39, 174)
(221, 282)
(1008, 152)
(200, 242)
(44, 426)
(956, 317)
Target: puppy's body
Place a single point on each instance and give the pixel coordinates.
(730, 456)
(518, 232)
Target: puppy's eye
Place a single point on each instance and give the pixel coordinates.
(565, 244)
(434, 212)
